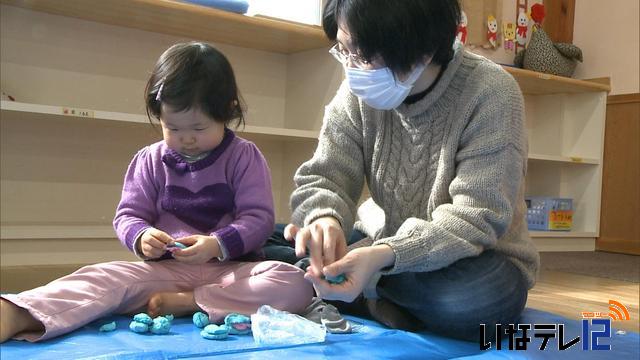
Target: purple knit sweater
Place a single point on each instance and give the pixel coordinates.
(226, 194)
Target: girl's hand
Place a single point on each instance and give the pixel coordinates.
(154, 243)
(200, 249)
(358, 266)
(323, 237)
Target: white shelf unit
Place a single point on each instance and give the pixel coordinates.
(53, 113)
(566, 137)
(62, 174)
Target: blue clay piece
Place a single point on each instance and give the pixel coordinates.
(200, 319)
(215, 332)
(179, 245)
(169, 317)
(238, 324)
(108, 327)
(143, 318)
(336, 280)
(161, 325)
(138, 327)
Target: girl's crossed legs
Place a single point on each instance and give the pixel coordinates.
(162, 287)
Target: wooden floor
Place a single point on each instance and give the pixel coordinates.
(570, 294)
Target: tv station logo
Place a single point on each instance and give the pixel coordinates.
(596, 329)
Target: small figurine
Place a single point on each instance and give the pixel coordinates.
(492, 31)
(509, 36)
(521, 29)
(461, 34)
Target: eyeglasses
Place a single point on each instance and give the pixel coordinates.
(344, 57)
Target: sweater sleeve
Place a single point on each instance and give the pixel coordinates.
(330, 183)
(136, 211)
(254, 210)
(490, 168)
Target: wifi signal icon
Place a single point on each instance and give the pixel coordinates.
(618, 311)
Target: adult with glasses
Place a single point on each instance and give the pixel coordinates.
(438, 135)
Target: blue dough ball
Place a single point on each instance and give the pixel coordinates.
(143, 318)
(161, 325)
(200, 319)
(108, 327)
(238, 324)
(215, 332)
(138, 327)
(336, 280)
(179, 245)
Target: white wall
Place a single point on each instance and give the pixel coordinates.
(608, 34)
(67, 173)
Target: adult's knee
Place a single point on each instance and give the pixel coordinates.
(454, 301)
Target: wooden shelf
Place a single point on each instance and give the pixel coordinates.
(53, 113)
(57, 232)
(563, 159)
(188, 20)
(562, 234)
(535, 83)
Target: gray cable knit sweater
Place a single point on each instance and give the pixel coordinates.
(447, 171)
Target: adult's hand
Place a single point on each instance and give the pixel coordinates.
(358, 266)
(324, 238)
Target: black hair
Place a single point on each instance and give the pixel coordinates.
(401, 32)
(195, 75)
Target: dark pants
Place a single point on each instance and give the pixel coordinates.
(453, 301)
(279, 248)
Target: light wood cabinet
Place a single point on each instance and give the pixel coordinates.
(62, 173)
(619, 226)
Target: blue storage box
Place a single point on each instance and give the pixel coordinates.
(548, 213)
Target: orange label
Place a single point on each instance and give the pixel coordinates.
(560, 219)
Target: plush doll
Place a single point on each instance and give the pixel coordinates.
(543, 55)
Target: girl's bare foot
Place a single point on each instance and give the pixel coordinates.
(178, 304)
(14, 320)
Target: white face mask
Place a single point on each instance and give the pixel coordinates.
(378, 88)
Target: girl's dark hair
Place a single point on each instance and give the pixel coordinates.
(402, 32)
(195, 75)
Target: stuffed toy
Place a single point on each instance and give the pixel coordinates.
(543, 55)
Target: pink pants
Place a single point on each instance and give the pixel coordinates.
(123, 287)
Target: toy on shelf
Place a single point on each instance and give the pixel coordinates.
(492, 32)
(522, 26)
(548, 213)
(509, 36)
(543, 55)
(461, 34)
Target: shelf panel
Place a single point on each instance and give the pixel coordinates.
(57, 232)
(50, 112)
(535, 83)
(188, 20)
(562, 234)
(565, 244)
(564, 159)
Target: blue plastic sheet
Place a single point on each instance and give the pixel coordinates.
(372, 341)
